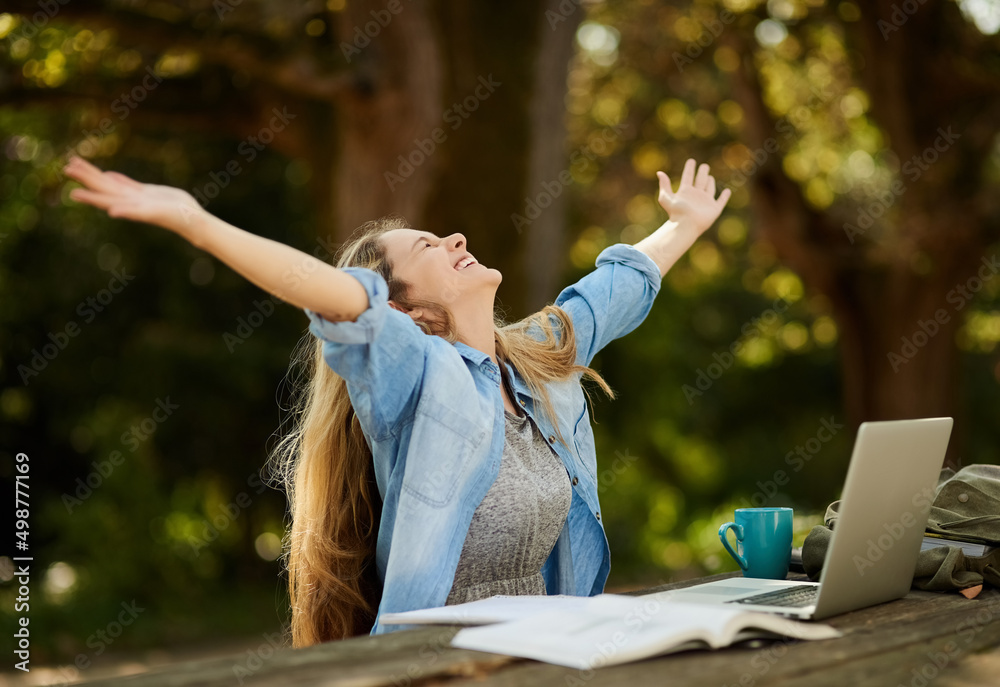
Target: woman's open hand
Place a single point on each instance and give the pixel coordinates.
(694, 202)
(123, 197)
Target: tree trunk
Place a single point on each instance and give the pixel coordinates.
(391, 110)
(545, 244)
(898, 353)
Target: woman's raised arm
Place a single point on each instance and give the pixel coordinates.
(289, 274)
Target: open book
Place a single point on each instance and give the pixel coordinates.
(613, 628)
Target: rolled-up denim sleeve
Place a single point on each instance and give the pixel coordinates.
(612, 300)
(380, 355)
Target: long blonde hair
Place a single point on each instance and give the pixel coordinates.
(326, 468)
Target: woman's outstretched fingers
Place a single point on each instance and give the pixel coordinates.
(125, 180)
(702, 178)
(96, 198)
(723, 197)
(77, 166)
(666, 196)
(687, 176)
(88, 175)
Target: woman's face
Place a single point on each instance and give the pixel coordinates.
(440, 270)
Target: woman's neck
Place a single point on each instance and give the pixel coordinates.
(476, 329)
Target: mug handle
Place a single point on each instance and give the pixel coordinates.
(725, 542)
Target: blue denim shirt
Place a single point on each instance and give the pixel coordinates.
(433, 415)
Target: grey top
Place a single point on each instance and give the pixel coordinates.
(518, 522)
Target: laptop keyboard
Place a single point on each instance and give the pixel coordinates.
(792, 596)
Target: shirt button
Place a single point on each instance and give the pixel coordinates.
(963, 497)
(552, 439)
(575, 480)
(598, 515)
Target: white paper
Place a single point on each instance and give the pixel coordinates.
(610, 629)
(498, 608)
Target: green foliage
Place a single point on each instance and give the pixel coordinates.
(147, 430)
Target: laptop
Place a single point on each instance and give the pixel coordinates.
(876, 539)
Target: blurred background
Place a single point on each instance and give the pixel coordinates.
(852, 276)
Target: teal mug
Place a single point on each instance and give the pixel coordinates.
(764, 541)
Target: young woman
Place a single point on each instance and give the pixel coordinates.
(439, 455)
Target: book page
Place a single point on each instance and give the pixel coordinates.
(764, 624)
(612, 629)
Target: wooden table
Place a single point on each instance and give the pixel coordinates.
(922, 639)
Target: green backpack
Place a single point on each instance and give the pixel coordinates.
(966, 503)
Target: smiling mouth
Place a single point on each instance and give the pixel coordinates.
(465, 262)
